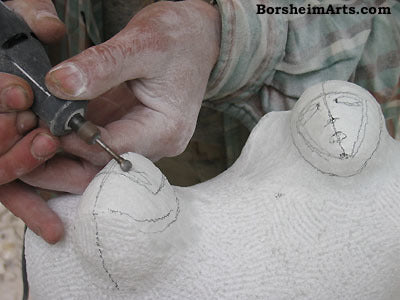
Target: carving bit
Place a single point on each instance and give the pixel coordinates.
(91, 134)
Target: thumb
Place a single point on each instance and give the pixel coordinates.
(41, 16)
(96, 70)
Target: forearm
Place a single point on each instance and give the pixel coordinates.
(268, 60)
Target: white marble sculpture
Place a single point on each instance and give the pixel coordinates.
(309, 211)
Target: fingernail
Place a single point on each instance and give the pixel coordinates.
(14, 97)
(67, 79)
(47, 14)
(44, 146)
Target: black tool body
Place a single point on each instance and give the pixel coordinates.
(22, 54)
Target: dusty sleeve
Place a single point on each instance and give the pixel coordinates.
(251, 46)
(268, 60)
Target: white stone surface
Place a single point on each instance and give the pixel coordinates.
(11, 233)
(291, 219)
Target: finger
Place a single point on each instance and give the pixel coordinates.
(9, 134)
(23, 202)
(15, 93)
(130, 54)
(75, 174)
(27, 154)
(41, 16)
(26, 121)
(13, 126)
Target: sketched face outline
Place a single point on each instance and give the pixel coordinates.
(149, 211)
(129, 207)
(324, 125)
(336, 126)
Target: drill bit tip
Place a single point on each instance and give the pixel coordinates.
(91, 134)
(125, 165)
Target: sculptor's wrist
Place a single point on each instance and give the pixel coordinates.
(212, 25)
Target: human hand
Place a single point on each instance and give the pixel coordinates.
(148, 83)
(23, 148)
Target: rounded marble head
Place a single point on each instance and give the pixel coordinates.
(336, 126)
(133, 210)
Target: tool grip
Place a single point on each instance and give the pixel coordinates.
(22, 54)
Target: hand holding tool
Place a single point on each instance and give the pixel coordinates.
(22, 54)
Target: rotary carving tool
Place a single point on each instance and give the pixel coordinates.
(22, 54)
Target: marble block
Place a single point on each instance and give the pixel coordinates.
(310, 210)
